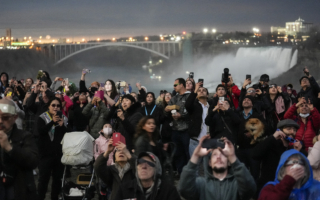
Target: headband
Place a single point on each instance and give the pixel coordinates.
(6, 108)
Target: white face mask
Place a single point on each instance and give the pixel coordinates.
(304, 115)
(107, 131)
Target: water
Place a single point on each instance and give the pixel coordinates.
(255, 61)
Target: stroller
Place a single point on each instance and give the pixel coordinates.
(77, 149)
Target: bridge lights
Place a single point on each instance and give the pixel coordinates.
(83, 39)
(214, 30)
(98, 39)
(113, 39)
(146, 38)
(205, 30)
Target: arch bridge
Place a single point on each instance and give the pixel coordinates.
(60, 52)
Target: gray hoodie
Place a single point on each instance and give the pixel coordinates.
(238, 184)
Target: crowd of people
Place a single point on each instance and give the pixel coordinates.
(260, 141)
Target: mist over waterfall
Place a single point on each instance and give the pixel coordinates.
(255, 61)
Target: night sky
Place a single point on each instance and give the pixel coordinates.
(116, 18)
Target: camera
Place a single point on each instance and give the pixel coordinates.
(289, 139)
(225, 76)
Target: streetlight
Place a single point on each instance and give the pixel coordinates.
(146, 38)
(214, 30)
(68, 40)
(205, 30)
(255, 30)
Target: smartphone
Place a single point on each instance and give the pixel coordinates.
(117, 137)
(60, 79)
(102, 84)
(248, 76)
(200, 80)
(221, 99)
(191, 74)
(59, 113)
(213, 143)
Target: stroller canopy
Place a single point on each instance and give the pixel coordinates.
(77, 148)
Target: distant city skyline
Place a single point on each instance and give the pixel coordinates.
(76, 19)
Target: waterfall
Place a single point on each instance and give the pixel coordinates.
(255, 61)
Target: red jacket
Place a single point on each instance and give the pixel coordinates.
(235, 96)
(307, 131)
(280, 191)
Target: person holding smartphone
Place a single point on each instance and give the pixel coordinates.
(51, 125)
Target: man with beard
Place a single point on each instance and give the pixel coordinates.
(225, 176)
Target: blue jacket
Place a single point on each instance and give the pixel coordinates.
(310, 190)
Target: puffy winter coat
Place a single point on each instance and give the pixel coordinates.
(307, 131)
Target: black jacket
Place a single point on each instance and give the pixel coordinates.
(311, 92)
(80, 120)
(269, 152)
(22, 159)
(37, 108)
(219, 123)
(260, 102)
(131, 190)
(127, 127)
(46, 146)
(5, 85)
(110, 175)
(157, 113)
(243, 140)
(166, 129)
(195, 111)
(142, 144)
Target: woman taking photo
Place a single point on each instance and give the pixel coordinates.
(167, 121)
(51, 128)
(146, 138)
(110, 93)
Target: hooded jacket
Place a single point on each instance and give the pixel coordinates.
(280, 190)
(160, 190)
(307, 131)
(182, 123)
(98, 117)
(238, 184)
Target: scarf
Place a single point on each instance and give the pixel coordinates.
(47, 119)
(122, 170)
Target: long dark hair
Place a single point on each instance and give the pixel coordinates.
(154, 98)
(140, 131)
(164, 103)
(114, 92)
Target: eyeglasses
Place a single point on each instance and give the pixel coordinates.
(141, 161)
(292, 162)
(56, 105)
(251, 91)
(167, 95)
(271, 86)
(5, 117)
(175, 85)
(58, 92)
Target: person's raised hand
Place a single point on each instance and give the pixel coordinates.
(118, 102)
(120, 114)
(228, 150)
(56, 79)
(246, 82)
(279, 134)
(297, 145)
(165, 146)
(76, 94)
(279, 89)
(231, 80)
(296, 173)
(60, 122)
(306, 71)
(138, 85)
(28, 94)
(199, 151)
(110, 148)
(198, 85)
(258, 91)
(122, 147)
(225, 105)
(310, 105)
(301, 101)
(55, 118)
